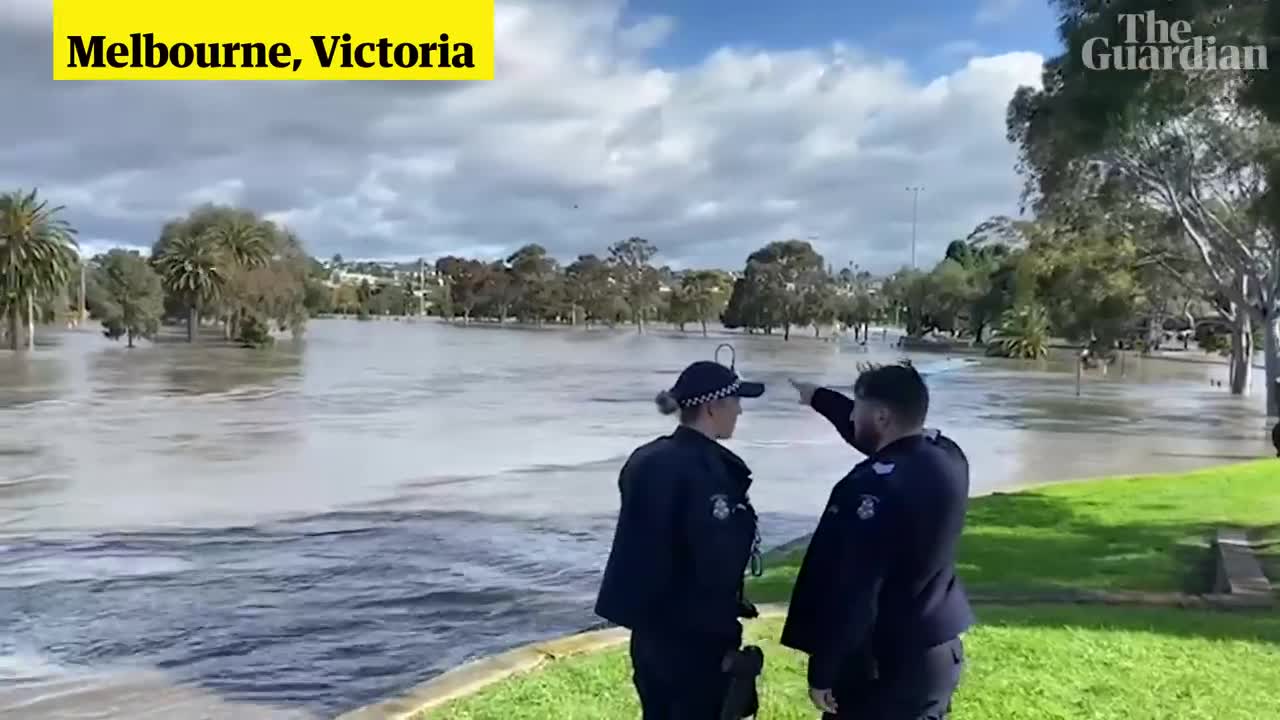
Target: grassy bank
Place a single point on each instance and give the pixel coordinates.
(1127, 533)
(1035, 662)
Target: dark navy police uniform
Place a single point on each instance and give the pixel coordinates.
(686, 533)
(877, 605)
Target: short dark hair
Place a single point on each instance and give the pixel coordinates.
(899, 387)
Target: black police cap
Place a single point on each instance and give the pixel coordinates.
(703, 382)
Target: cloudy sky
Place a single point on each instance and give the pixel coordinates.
(708, 127)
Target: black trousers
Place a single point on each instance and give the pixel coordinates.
(677, 679)
(910, 686)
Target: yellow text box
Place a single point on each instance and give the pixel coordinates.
(273, 40)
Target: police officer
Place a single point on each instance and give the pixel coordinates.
(877, 605)
(686, 532)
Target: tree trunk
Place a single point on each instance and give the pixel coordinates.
(786, 332)
(1271, 346)
(193, 318)
(129, 334)
(817, 330)
(15, 326)
(1241, 352)
(31, 321)
(704, 328)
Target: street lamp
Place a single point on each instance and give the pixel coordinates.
(84, 312)
(915, 203)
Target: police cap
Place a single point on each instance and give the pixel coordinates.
(703, 382)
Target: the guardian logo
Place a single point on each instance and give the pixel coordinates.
(1154, 44)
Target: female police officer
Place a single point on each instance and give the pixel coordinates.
(686, 532)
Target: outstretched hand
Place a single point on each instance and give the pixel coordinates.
(805, 390)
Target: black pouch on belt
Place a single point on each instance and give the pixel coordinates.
(743, 700)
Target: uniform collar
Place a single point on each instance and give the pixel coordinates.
(736, 464)
(899, 446)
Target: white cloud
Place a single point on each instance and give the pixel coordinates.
(709, 161)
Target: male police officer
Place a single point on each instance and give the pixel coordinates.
(877, 605)
(685, 534)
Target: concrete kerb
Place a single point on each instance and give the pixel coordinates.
(1240, 574)
(474, 676)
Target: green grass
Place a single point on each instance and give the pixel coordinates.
(1131, 533)
(1031, 663)
(1036, 662)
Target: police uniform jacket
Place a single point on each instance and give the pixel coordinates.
(879, 577)
(686, 531)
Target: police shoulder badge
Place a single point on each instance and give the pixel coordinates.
(883, 468)
(867, 508)
(720, 507)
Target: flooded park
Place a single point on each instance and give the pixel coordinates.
(208, 531)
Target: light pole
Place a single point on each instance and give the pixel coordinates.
(915, 204)
(422, 288)
(84, 313)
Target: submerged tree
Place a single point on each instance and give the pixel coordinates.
(126, 295)
(1180, 140)
(38, 253)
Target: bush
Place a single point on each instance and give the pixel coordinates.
(1023, 333)
(255, 333)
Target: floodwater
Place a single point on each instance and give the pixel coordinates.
(192, 532)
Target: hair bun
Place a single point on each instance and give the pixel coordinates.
(666, 402)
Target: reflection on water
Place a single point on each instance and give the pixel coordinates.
(217, 532)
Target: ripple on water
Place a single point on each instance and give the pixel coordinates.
(275, 613)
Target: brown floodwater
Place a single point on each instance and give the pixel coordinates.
(213, 532)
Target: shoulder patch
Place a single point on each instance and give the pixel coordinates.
(867, 507)
(720, 507)
(883, 468)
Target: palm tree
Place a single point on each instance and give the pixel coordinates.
(38, 252)
(244, 245)
(191, 268)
